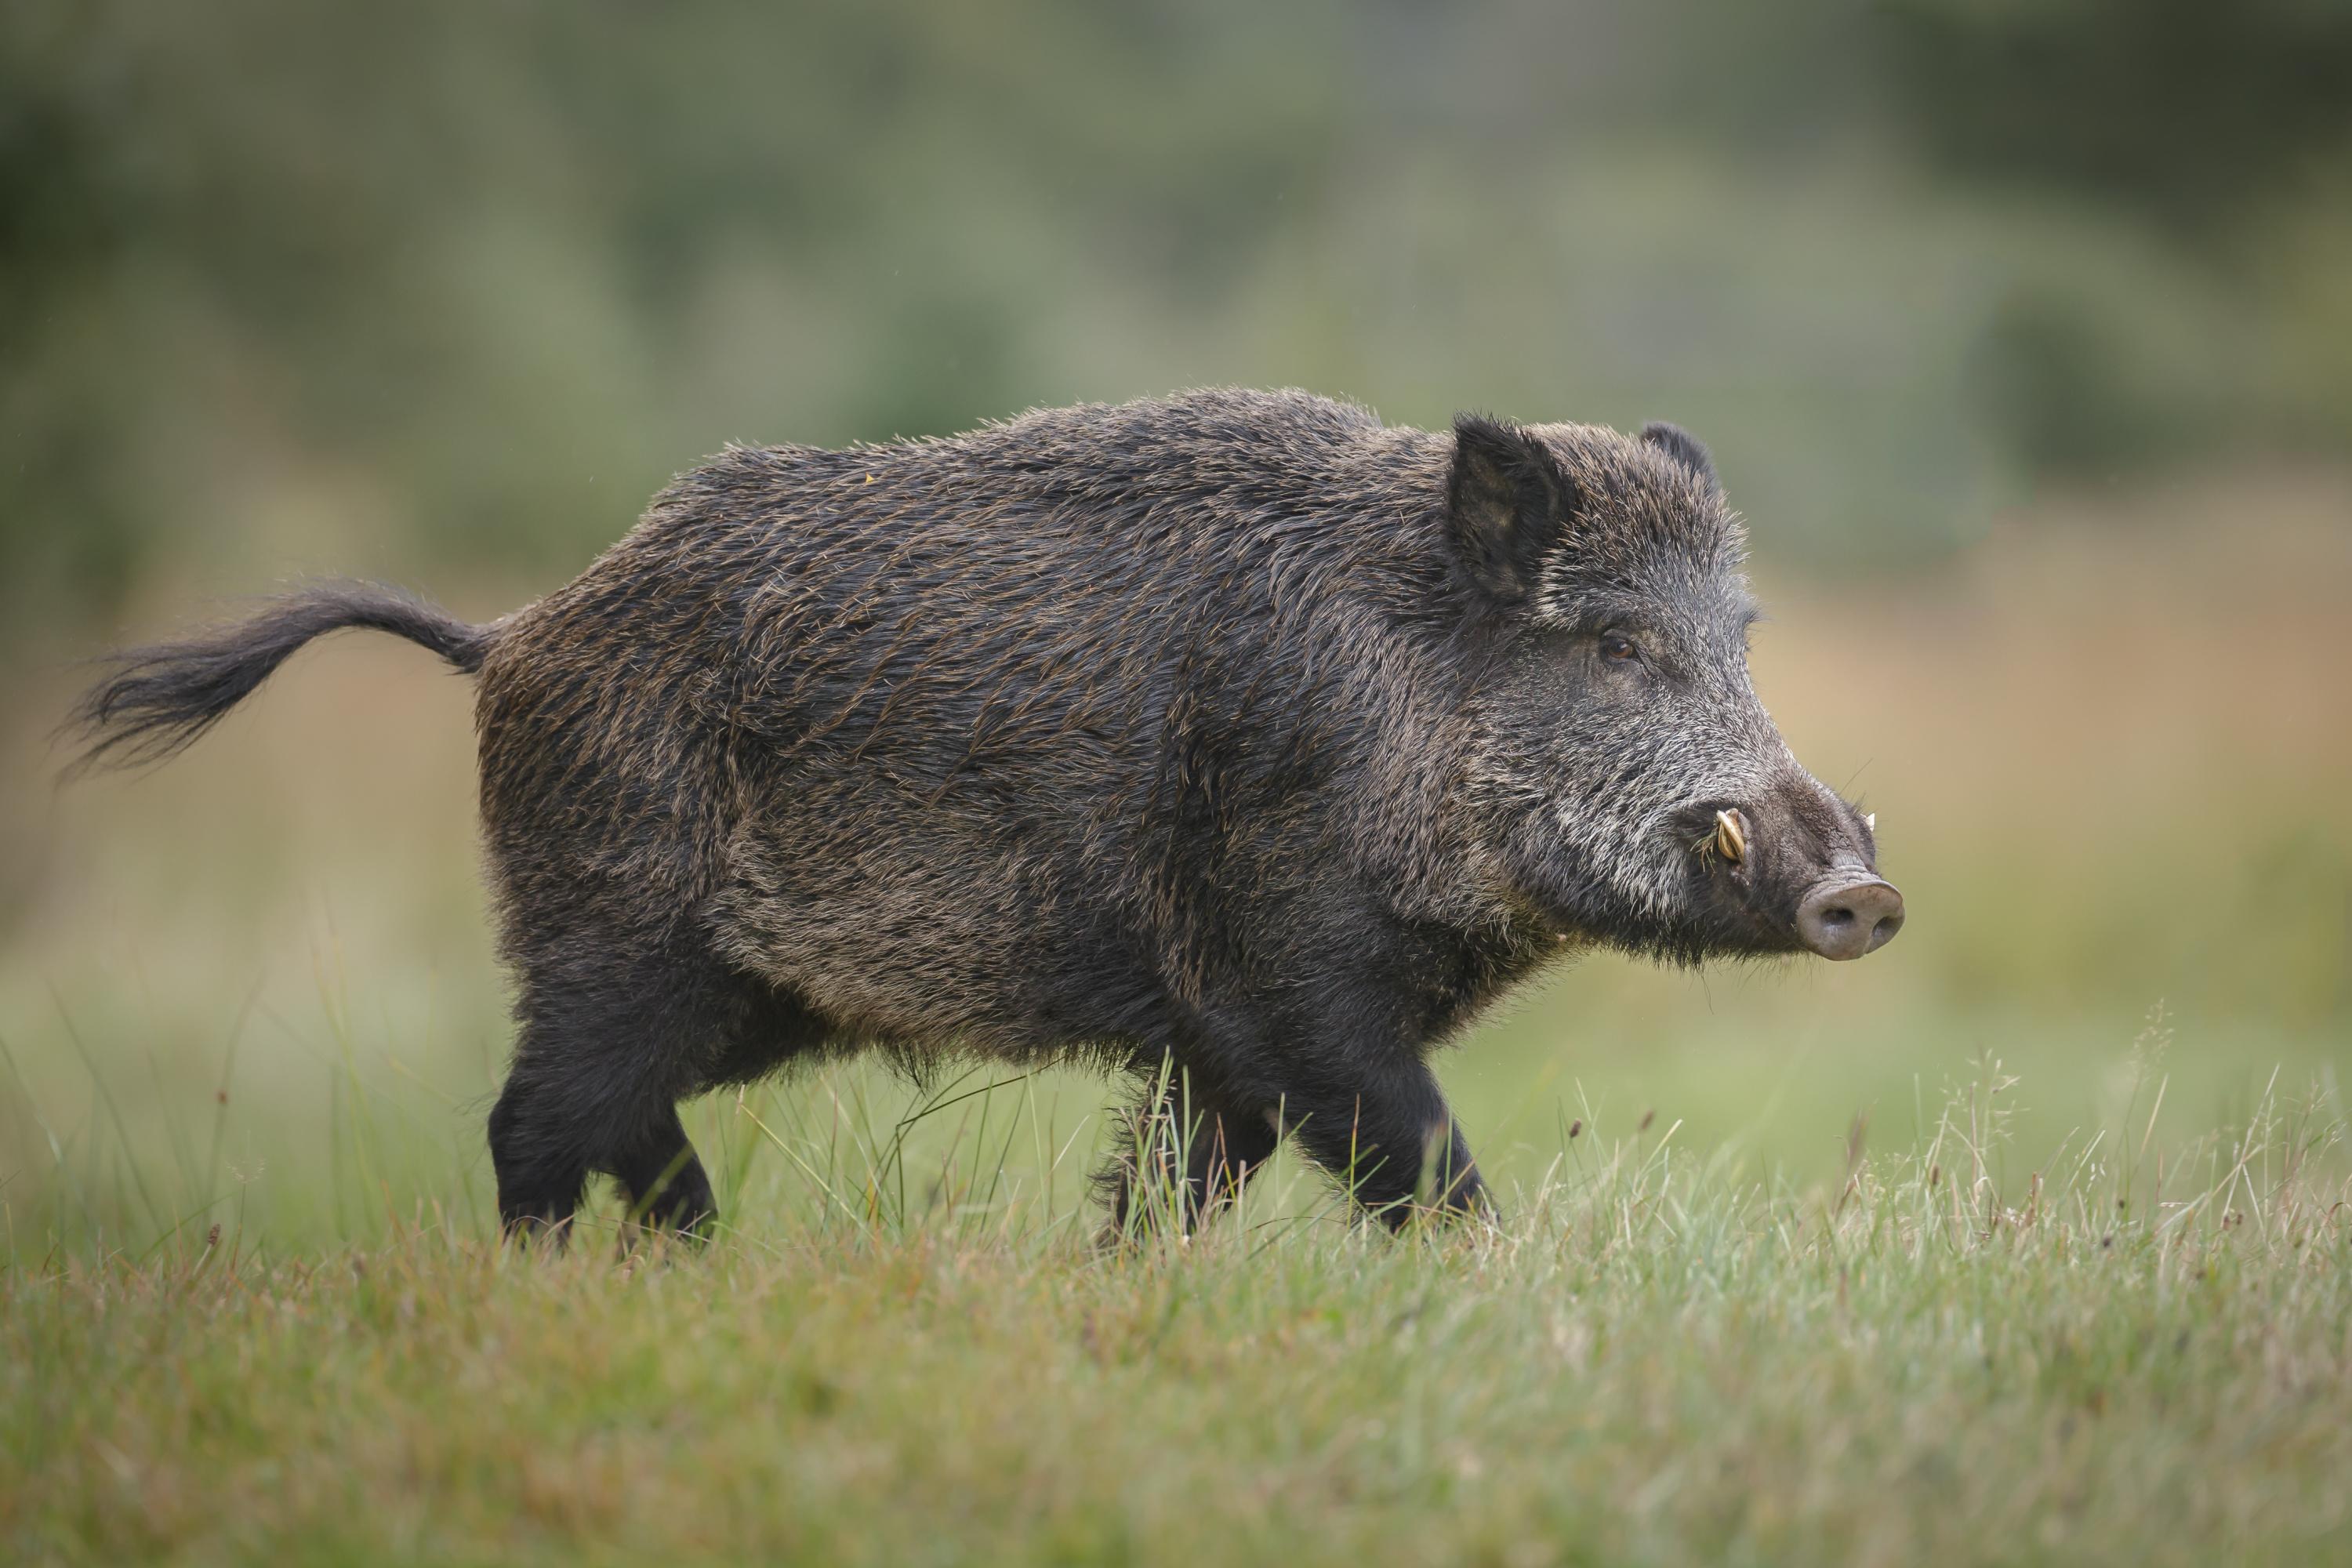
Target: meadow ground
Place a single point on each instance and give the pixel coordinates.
(1651, 1361)
(2028, 1238)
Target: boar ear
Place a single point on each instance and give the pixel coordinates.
(1507, 501)
(1683, 446)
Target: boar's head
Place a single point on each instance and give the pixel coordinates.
(1627, 780)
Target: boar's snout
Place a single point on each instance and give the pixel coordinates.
(1847, 917)
(1792, 869)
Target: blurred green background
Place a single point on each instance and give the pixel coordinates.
(2022, 331)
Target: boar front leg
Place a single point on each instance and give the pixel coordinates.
(1221, 1149)
(1384, 1131)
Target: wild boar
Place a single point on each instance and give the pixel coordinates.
(1236, 741)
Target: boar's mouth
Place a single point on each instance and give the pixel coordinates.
(1758, 895)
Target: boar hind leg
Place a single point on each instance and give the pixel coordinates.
(612, 1037)
(572, 1109)
(541, 1162)
(1386, 1134)
(664, 1180)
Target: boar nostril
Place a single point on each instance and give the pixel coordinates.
(1844, 920)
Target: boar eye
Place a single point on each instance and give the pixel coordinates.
(1618, 649)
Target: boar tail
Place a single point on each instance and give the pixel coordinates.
(158, 699)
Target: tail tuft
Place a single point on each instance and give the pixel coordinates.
(161, 699)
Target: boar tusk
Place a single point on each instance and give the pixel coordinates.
(1730, 837)
(1870, 820)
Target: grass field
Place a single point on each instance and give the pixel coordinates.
(2027, 1239)
(1652, 1361)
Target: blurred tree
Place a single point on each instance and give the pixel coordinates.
(2225, 129)
(286, 286)
(66, 208)
(2188, 110)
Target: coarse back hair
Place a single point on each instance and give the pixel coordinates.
(1120, 645)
